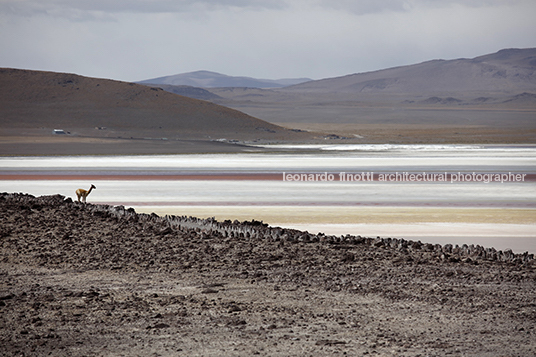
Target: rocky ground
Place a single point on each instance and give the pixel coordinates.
(89, 280)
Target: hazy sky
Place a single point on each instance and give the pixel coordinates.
(140, 39)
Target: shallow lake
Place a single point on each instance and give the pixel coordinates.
(437, 193)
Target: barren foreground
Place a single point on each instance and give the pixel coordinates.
(93, 280)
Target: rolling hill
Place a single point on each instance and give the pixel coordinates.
(36, 102)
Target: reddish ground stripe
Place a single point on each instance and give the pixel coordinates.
(232, 177)
(143, 177)
(526, 205)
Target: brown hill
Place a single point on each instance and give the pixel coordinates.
(39, 102)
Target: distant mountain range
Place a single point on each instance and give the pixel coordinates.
(492, 78)
(207, 79)
(506, 71)
(493, 94)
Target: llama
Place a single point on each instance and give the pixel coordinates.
(81, 193)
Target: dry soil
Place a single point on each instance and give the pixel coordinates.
(89, 280)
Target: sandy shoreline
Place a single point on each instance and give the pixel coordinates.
(39, 142)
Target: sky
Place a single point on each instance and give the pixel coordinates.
(132, 40)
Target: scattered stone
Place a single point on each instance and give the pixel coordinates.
(329, 343)
(159, 326)
(234, 308)
(209, 291)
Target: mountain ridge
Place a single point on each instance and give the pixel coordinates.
(505, 70)
(208, 79)
(490, 98)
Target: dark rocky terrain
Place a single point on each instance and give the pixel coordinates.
(95, 280)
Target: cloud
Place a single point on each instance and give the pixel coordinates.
(66, 7)
(364, 7)
(140, 39)
(106, 9)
